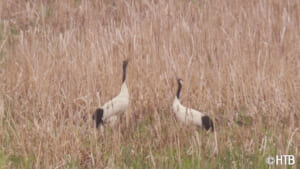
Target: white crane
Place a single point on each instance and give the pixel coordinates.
(115, 107)
(188, 115)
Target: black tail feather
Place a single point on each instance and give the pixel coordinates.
(207, 123)
(98, 117)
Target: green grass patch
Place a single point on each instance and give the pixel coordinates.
(19, 161)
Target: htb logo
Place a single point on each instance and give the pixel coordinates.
(281, 160)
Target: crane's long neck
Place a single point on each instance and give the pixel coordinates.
(124, 73)
(178, 90)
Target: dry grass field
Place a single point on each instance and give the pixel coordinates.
(239, 59)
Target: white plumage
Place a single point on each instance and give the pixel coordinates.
(188, 115)
(117, 105)
(111, 110)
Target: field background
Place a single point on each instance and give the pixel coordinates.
(240, 62)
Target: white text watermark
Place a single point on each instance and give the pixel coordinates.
(281, 160)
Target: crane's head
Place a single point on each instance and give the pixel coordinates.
(125, 63)
(179, 80)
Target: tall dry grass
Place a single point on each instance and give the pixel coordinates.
(239, 61)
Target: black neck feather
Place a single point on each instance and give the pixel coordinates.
(124, 73)
(179, 89)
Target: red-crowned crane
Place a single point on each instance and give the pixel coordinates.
(188, 115)
(115, 107)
